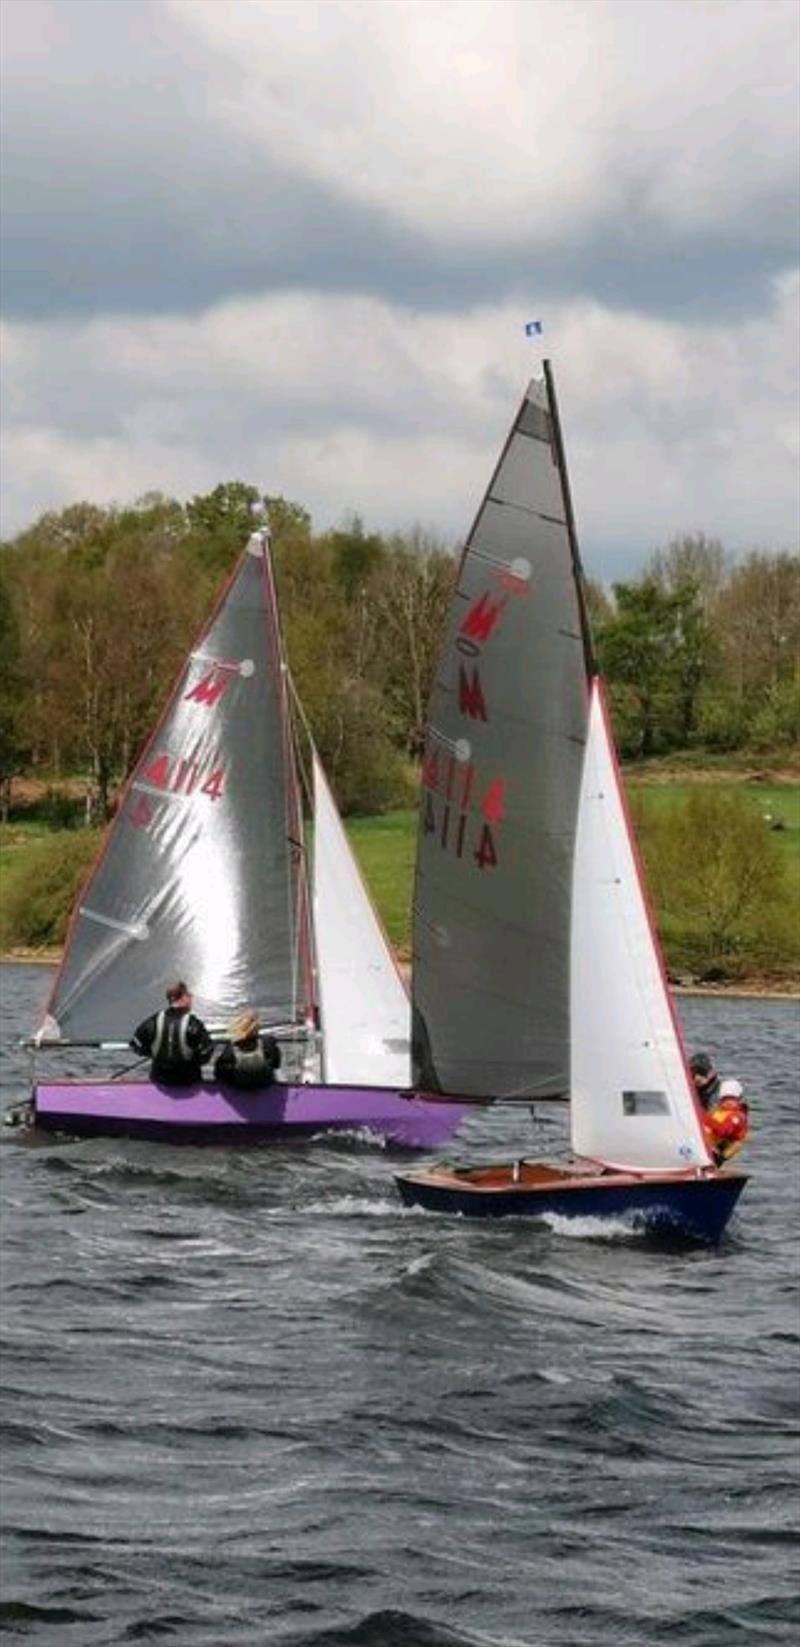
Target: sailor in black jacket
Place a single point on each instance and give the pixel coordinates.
(706, 1079)
(177, 1043)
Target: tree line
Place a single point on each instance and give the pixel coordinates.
(98, 607)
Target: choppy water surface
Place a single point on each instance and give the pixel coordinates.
(248, 1399)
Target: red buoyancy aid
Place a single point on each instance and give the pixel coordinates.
(726, 1127)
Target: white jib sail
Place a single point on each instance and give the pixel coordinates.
(365, 1010)
(632, 1104)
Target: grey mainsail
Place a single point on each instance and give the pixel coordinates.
(202, 876)
(501, 779)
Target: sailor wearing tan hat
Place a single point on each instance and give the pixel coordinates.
(248, 1059)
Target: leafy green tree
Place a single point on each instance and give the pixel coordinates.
(693, 651)
(40, 890)
(353, 732)
(599, 607)
(80, 526)
(289, 523)
(694, 560)
(409, 602)
(637, 650)
(658, 643)
(220, 523)
(776, 722)
(104, 621)
(719, 882)
(757, 619)
(355, 557)
(722, 716)
(34, 571)
(13, 744)
(101, 605)
(349, 717)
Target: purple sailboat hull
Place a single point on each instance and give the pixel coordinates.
(210, 1113)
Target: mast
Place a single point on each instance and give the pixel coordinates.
(577, 564)
(294, 809)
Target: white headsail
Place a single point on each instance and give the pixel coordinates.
(632, 1103)
(363, 1002)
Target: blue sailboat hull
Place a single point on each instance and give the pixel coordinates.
(674, 1205)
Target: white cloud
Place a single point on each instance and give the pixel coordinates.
(474, 120)
(347, 403)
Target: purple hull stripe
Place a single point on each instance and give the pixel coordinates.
(139, 1108)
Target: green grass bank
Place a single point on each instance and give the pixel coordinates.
(722, 853)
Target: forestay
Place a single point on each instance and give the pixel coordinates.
(202, 876)
(632, 1103)
(365, 1013)
(501, 776)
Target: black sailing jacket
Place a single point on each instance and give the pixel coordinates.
(177, 1043)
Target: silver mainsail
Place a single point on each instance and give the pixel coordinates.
(202, 876)
(501, 780)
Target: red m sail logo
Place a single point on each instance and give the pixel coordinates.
(493, 802)
(482, 617)
(430, 770)
(470, 695)
(210, 689)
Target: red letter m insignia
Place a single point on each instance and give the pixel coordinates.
(212, 686)
(470, 695)
(482, 617)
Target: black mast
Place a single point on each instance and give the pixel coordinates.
(577, 565)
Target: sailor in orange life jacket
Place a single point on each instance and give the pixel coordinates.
(725, 1108)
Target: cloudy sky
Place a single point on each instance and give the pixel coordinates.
(295, 242)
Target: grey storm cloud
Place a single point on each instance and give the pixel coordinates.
(297, 243)
(125, 191)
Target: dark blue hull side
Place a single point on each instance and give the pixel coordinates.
(694, 1209)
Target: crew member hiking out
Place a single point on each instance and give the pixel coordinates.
(726, 1113)
(727, 1122)
(177, 1042)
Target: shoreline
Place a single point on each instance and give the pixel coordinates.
(740, 992)
(744, 990)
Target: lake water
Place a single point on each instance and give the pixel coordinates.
(247, 1399)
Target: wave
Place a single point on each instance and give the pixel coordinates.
(396, 1628)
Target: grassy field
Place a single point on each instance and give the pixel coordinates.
(32, 854)
(385, 846)
(385, 850)
(778, 804)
